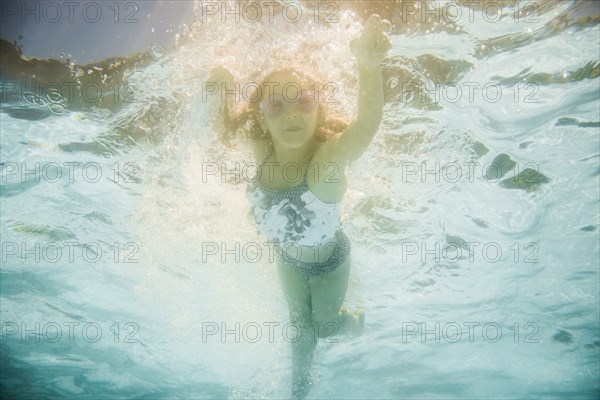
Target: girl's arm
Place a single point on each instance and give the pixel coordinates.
(222, 78)
(370, 50)
(218, 77)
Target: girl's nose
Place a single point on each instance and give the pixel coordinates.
(292, 114)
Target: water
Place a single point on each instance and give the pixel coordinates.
(125, 284)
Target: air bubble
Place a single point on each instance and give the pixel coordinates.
(157, 52)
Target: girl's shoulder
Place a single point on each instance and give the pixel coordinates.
(327, 152)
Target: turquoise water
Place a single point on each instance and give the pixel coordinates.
(112, 280)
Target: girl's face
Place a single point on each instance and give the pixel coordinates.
(288, 110)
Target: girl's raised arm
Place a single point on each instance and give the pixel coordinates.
(370, 50)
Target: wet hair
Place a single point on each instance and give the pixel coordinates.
(246, 121)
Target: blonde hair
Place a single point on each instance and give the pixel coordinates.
(246, 121)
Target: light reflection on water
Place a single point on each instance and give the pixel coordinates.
(512, 267)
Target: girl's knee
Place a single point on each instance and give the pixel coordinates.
(300, 313)
(326, 321)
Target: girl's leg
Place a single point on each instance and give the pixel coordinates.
(297, 294)
(327, 296)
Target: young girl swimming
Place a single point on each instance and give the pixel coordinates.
(291, 138)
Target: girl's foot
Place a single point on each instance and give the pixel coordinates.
(352, 323)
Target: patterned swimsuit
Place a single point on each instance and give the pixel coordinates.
(297, 216)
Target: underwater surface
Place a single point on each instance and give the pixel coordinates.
(131, 267)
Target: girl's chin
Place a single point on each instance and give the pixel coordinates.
(292, 139)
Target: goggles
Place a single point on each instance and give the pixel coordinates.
(276, 105)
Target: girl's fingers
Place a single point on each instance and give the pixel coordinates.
(373, 20)
(374, 35)
(377, 25)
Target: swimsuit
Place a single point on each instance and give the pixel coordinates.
(297, 216)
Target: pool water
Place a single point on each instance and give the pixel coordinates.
(131, 268)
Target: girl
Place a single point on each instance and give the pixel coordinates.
(291, 137)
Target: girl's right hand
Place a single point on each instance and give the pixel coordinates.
(374, 43)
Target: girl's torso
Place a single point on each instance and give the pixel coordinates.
(298, 204)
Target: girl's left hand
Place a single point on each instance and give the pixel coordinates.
(372, 46)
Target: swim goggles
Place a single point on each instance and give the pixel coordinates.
(275, 105)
